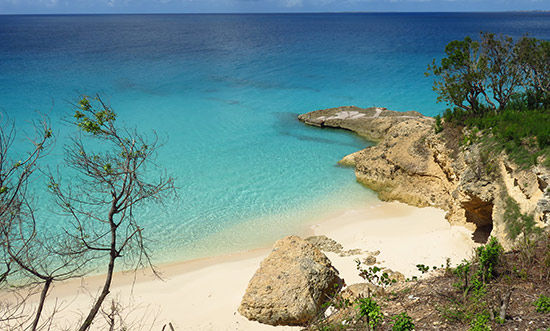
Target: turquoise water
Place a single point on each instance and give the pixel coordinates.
(225, 91)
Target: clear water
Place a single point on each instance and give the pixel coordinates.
(225, 91)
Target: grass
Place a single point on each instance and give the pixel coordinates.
(524, 134)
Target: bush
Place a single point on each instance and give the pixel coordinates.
(438, 125)
(489, 256)
(480, 323)
(402, 322)
(542, 304)
(369, 311)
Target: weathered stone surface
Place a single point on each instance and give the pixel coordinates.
(370, 260)
(360, 290)
(412, 164)
(325, 243)
(291, 284)
(395, 275)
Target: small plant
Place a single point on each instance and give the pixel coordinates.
(402, 322)
(542, 304)
(447, 266)
(462, 271)
(369, 311)
(438, 125)
(489, 256)
(423, 268)
(480, 323)
(374, 275)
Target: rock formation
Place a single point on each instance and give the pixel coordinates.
(412, 164)
(291, 284)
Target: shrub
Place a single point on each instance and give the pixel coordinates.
(489, 256)
(542, 304)
(369, 311)
(402, 322)
(480, 323)
(438, 126)
(462, 271)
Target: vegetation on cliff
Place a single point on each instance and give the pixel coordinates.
(492, 291)
(501, 88)
(497, 90)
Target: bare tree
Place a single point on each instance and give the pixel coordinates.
(31, 259)
(109, 182)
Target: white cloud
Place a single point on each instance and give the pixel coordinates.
(293, 3)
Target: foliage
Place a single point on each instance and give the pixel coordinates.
(501, 88)
(480, 323)
(504, 73)
(542, 304)
(489, 256)
(518, 223)
(438, 127)
(522, 127)
(460, 74)
(402, 322)
(112, 183)
(369, 310)
(478, 77)
(462, 271)
(374, 275)
(535, 56)
(425, 268)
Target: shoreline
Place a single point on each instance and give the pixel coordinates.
(204, 294)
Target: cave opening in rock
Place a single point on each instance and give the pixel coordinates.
(480, 213)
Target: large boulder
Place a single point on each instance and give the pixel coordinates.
(291, 284)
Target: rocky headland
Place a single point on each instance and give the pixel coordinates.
(479, 189)
(411, 163)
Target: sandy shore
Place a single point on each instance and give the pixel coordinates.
(205, 294)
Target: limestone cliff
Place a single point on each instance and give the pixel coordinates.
(412, 164)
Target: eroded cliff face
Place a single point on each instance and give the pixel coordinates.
(412, 164)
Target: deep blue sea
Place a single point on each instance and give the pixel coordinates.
(225, 91)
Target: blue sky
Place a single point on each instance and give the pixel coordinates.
(251, 6)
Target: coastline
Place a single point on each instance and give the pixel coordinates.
(204, 294)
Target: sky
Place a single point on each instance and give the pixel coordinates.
(260, 6)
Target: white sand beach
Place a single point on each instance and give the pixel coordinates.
(205, 294)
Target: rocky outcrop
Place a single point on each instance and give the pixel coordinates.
(412, 164)
(291, 284)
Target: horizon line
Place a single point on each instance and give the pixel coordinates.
(281, 13)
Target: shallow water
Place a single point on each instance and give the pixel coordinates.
(225, 91)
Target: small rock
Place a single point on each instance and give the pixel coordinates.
(360, 290)
(350, 252)
(370, 260)
(325, 244)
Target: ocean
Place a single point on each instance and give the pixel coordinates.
(224, 92)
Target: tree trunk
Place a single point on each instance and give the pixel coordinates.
(43, 295)
(113, 254)
(104, 292)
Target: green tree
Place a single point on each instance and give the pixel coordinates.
(504, 72)
(460, 76)
(485, 75)
(534, 56)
